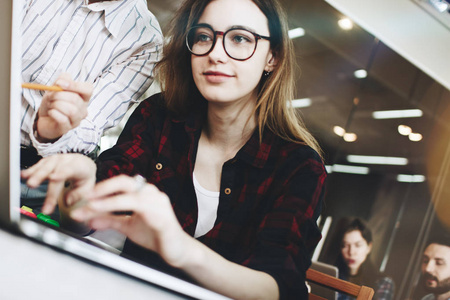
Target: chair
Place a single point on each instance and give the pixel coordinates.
(360, 292)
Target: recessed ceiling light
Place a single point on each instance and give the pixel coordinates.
(377, 160)
(350, 137)
(339, 130)
(440, 5)
(404, 130)
(415, 137)
(361, 73)
(345, 23)
(304, 102)
(347, 169)
(296, 32)
(395, 114)
(410, 178)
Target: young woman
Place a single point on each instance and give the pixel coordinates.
(235, 181)
(354, 263)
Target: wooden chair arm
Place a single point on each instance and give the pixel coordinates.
(360, 292)
(315, 297)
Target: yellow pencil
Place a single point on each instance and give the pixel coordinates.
(41, 87)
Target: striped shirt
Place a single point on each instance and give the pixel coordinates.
(113, 44)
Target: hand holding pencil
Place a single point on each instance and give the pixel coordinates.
(63, 107)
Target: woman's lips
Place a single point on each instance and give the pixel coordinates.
(216, 77)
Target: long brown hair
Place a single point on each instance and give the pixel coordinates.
(273, 109)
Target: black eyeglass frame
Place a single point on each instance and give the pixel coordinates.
(222, 33)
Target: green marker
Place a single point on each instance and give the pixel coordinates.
(47, 219)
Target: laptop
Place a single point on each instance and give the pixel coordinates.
(10, 217)
(320, 290)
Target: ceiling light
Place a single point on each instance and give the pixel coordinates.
(440, 5)
(361, 73)
(304, 102)
(350, 137)
(394, 114)
(345, 23)
(339, 130)
(415, 137)
(347, 169)
(296, 32)
(377, 160)
(410, 178)
(404, 130)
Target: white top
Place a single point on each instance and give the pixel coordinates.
(113, 45)
(207, 202)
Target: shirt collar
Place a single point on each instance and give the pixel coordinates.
(115, 12)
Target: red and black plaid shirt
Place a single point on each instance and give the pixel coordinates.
(270, 193)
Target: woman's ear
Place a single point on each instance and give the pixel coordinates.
(370, 247)
(271, 62)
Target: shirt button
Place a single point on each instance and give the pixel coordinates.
(159, 166)
(227, 191)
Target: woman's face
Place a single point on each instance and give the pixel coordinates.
(354, 250)
(219, 78)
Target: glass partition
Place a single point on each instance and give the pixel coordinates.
(383, 123)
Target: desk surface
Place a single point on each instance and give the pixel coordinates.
(29, 270)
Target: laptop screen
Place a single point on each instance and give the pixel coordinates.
(10, 66)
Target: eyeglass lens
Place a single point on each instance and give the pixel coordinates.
(238, 43)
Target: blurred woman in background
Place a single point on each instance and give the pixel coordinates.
(354, 262)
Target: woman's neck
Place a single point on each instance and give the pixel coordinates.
(226, 131)
(353, 272)
(229, 127)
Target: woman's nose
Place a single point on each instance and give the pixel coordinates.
(351, 250)
(218, 52)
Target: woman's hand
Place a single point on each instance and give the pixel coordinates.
(145, 215)
(75, 169)
(138, 210)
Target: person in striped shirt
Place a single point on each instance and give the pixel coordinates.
(111, 45)
(102, 53)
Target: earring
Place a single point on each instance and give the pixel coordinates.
(265, 73)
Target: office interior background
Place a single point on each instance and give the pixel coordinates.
(374, 89)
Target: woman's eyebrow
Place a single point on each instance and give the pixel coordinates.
(203, 24)
(231, 27)
(243, 27)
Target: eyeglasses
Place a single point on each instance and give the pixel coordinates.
(238, 43)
